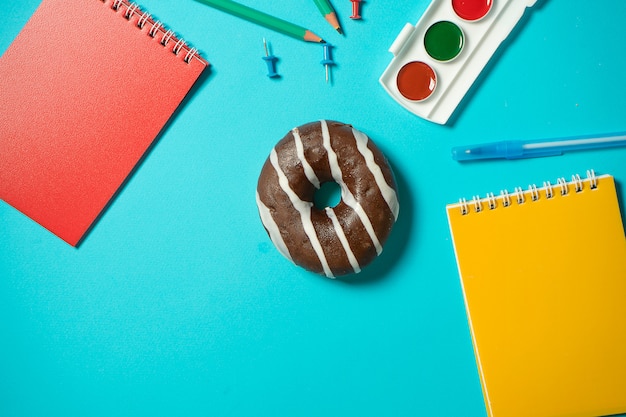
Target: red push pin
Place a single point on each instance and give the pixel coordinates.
(356, 12)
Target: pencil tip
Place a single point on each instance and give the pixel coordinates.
(312, 37)
(340, 31)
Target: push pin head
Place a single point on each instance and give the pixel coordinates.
(328, 59)
(270, 60)
(356, 12)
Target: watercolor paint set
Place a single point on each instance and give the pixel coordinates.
(436, 61)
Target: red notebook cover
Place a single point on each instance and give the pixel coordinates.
(85, 89)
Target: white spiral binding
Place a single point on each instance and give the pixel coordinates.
(143, 19)
(190, 54)
(519, 195)
(131, 10)
(578, 183)
(506, 198)
(592, 178)
(563, 184)
(477, 206)
(548, 188)
(167, 37)
(177, 47)
(463, 205)
(534, 193)
(157, 27)
(491, 201)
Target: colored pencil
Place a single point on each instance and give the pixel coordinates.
(263, 19)
(329, 13)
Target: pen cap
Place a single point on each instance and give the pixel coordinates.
(507, 149)
(510, 149)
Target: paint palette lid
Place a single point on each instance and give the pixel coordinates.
(437, 60)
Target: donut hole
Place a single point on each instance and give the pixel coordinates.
(328, 195)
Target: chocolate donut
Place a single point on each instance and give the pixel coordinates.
(336, 240)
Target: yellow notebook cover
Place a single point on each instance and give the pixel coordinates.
(543, 273)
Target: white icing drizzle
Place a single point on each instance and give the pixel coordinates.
(272, 228)
(358, 209)
(308, 170)
(346, 195)
(304, 208)
(343, 239)
(389, 194)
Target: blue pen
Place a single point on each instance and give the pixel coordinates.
(518, 149)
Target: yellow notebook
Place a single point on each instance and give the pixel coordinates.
(543, 273)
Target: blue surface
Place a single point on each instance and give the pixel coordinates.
(177, 303)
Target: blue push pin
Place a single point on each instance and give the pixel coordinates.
(328, 59)
(271, 62)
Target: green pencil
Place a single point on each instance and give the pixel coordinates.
(263, 19)
(329, 14)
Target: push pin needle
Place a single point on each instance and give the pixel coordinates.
(328, 60)
(270, 60)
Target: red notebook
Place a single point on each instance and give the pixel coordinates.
(85, 89)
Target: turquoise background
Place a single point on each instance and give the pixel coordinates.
(176, 303)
